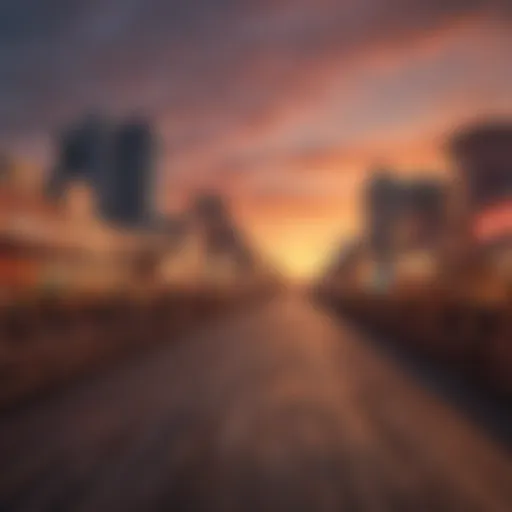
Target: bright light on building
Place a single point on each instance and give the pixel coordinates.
(493, 223)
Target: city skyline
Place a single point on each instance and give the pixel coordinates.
(283, 107)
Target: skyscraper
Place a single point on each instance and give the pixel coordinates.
(383, 196)
(115, 162)
(129, 182)
(84, 156)
(393, 203)
(483, 158)
(404, 218)
(483, 161)
(424, 208)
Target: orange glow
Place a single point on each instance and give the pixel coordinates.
(290, 132)
(299, 236)
(493, 223)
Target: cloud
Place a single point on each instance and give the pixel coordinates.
(250, 96)
(215, 62)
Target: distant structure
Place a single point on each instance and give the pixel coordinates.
(129, 186)
(424, 211)
(221, 238)
(482, 154)
(381, 206)
(379, 203)
(84, 156)
(483, 157)
(216, 224)
(403, 217)
(116, 162)
(393, 205)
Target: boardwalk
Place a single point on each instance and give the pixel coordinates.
(279, 409)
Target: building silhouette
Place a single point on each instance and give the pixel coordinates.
(381, 201)
(483, 158)
(128, 188)
(84, 156)
(394, 203)
(482, 154)
(116, 162)
(221, 236)
(404, 217)
(424, 206)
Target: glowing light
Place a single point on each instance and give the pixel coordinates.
(493, 223)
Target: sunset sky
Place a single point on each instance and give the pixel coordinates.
(283, 105)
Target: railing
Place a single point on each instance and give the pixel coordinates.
(48, 340)
(470, 337)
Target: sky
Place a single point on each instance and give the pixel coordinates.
(284, 106)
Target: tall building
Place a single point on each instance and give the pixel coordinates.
(483, 160)
(128, 188)
(116, 163)
(423, 213)
(417, 206)
(483, 157)
(84, 156)
(405, 220)
(382, 198)
(381, 202)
